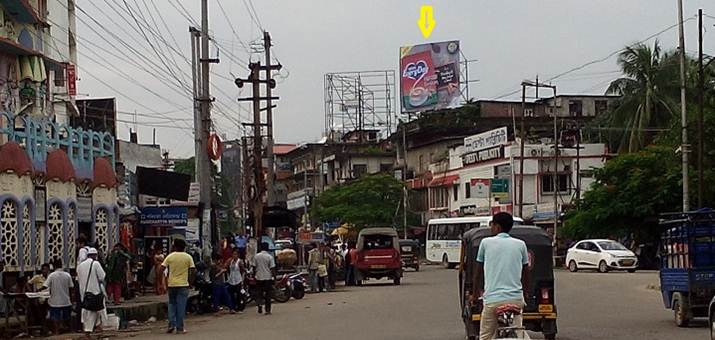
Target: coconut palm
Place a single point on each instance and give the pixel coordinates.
(648, 93)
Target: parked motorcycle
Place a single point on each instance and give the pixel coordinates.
(282, 290)
(201, 303)
(297, 284)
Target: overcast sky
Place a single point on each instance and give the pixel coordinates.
(511, 39)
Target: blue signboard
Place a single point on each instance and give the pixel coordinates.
(164, 216)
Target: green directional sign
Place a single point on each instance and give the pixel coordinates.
(500, 189)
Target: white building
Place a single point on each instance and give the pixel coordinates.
(487, 180)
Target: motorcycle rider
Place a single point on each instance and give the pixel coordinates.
(503, 262)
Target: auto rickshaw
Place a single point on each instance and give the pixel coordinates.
(410, 251)
(378, 255)
(539, 313)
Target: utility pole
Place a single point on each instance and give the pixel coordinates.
(271, 199)
(258, 187)
(202, 123)
(404, 177)
(257, 146)
(684, 147)
(701, 104)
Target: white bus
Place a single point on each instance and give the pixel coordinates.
(444, 237)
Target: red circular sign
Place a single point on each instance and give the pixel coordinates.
(215, 147)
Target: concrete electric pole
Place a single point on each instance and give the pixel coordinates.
(685, 147)
(271, 193)
(202, 122)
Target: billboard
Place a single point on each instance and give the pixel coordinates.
(429, 76)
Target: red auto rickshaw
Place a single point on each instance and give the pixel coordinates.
(378, 255)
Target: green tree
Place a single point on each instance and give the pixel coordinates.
(369, 201)
(648, 93)
(629, 193)
(186, 167)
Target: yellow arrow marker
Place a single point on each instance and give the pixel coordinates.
(426, 22)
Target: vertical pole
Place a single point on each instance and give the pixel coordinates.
(198, 148)
(404, 177)
(578, 161)
(269, 122)
(701, 104)
(556, 179)
(521, 152)
(305, 194)
(684, 118)
(202, 159)
(257, 157)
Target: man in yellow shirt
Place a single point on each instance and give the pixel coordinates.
(181, 273)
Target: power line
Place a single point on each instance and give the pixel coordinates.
(233, 29)
(600, 59)
(257, 20)
(106, 84)
(219, 89)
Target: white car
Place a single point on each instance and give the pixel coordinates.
(603, 255)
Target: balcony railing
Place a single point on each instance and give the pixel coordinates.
(40, 136)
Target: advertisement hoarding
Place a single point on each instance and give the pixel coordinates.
(429, 76)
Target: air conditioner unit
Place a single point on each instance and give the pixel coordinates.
(536, 152)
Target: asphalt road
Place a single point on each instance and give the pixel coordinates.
(591, 306)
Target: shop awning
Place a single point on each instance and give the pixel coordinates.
(444, 181)
(416, 183)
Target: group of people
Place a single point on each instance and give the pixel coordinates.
(66, 289)
(226, 275)
(323, 264)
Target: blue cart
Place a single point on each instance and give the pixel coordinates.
(687, 263)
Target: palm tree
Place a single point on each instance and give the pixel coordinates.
(648, 93)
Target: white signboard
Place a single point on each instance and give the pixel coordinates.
(486, 140)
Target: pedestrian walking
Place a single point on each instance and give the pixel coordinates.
(265, 266)
(59, 283)
(236, 270)
(219, 293)
(117, 272)
(181, 273)
(315, 260)
(91, 275)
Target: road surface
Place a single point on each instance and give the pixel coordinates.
(591, 306)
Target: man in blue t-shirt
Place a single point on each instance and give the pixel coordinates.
(241, 243)
(503, 263)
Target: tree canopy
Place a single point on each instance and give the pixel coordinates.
(630, 191)
(647, 92)
(369, 201)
